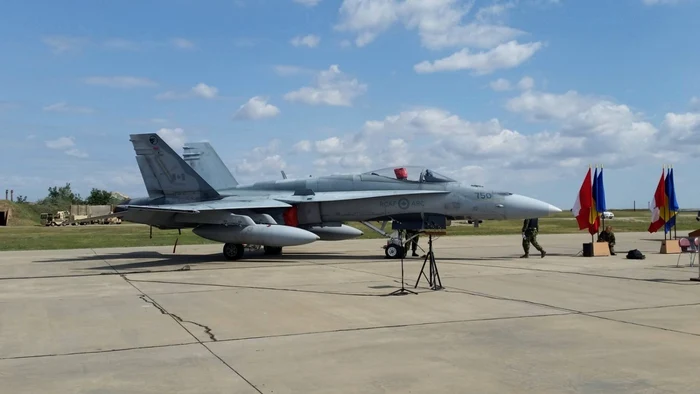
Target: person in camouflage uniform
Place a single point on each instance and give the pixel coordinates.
(530, 230)
(609, 237)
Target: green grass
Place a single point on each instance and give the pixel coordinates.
(35, 237)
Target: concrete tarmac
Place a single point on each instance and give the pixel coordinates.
(318, 320)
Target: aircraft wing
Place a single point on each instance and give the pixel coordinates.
(218, 205)
(355, 195)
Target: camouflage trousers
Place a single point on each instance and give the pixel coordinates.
(531, 238)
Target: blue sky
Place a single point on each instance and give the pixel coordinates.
(519, 95)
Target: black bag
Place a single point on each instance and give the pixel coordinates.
(635, 254)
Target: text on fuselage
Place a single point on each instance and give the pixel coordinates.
(402, 203)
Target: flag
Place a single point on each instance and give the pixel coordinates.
(673, 207)
(600, 197)
(594, 219)
(658, 206)
(582, 206)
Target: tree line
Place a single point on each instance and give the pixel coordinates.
(62, 197)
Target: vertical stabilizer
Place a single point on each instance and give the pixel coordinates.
(149, 178)
(177, 180)
(203, 158)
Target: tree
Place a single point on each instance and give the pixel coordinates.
(99, 197)
(21, 199)
(62, 197)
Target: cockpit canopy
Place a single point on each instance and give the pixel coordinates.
(411, 174)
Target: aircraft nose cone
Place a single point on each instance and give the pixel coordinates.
(553, 210)
(522, 207)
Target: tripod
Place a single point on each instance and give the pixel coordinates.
(402, 290)
(434, 276)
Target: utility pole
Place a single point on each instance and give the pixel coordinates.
(12, 195)
(6, 191)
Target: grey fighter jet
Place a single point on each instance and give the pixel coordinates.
(204, 196)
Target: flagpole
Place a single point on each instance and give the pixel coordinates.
(590, 211)
(602, 225)
(675, 221)
(663, 173)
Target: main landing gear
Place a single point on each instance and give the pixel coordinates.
(236, 251)
(233, 251)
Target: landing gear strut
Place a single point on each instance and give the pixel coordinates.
(233, 251)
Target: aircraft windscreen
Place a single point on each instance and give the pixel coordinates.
(411, 174)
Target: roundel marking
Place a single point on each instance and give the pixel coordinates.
(153, 140)
(403, 203)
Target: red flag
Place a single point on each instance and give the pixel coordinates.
(659, 212)
(584, 200)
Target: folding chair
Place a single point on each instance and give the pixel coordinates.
(691, 248)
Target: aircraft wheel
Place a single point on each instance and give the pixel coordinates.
(233, 251)
(393, 251)
(273, 250)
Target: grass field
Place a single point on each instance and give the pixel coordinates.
(36, 237)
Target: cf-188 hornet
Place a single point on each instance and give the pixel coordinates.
(199, 192)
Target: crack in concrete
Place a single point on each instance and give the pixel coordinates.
(207, 329)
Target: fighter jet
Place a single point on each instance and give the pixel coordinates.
(289, 212)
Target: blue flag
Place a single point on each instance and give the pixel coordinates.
(600, 197)
(671, 199)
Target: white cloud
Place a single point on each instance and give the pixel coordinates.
(200, 90)
(504, 56)
(206, 91)
(302, 146)
(60, 143)
(76, 153)
(120, 82)
(287, 70)
(308, 3)
(549, 106)
(182, 43)
(683, 128)
(485, 14)
(333, 87)
(310, 41)
(64, 107)
(581, 129)
(61, 44)
(439, 22)
(256, 108)
(526, 83)
(609, 129)
(175, 137)
(261, 161)
(500, 85)
(694, 103)
(67, 145)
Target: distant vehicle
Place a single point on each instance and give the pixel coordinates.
(608, 215)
